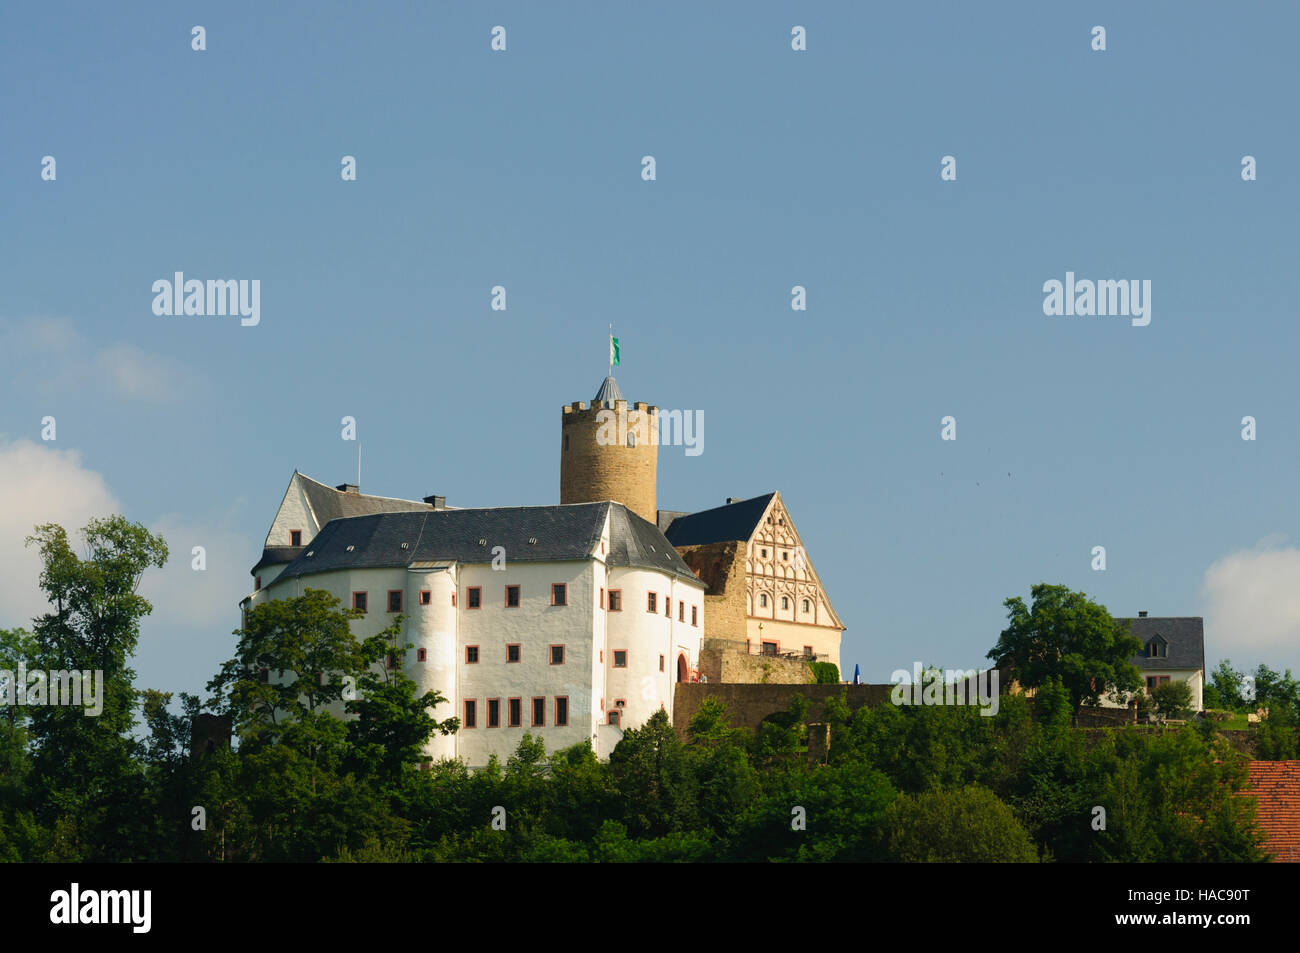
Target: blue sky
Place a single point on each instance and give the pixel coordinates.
(775, 168)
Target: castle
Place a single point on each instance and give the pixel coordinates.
(572, 621)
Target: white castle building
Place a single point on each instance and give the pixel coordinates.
(572, 621)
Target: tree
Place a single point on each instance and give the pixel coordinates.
(1226, 684)
(89, 785)
(968, 825)
(1172, 699)
(651, 776)
(1066, 634)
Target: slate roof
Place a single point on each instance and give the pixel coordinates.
(1276, 786)
(275, 555)
(562, 532)
(608, 393)
(1185, 636)
(720, 524)
(328, 503)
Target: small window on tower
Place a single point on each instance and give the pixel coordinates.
(295, 537)
(631, 440)
(426, 597)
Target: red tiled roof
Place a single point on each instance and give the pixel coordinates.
(1276, 786)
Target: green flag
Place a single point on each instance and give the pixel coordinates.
(613, 351)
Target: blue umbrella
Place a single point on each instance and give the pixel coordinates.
(856, 678)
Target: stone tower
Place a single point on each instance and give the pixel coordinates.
(610, 451)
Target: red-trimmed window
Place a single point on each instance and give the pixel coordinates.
(295, 537)
(661, 663)
(257, 582)
(494, 712)
(394, 600)
(512, 597)
(695, 615)
(471, 655)
(559, 594)
(474, 595)
(602, 597)
(668, 607)
(613, 716)
(620, 658)
(360, 600)
(771, 648)
(539, 711)
(453, 598)
(651, 602)
(426, 597)
(616, 600)
(681, 611)
(515, 711)
(471, 713)
(512, 652)
(807, 651)
(422, 655)
(390, 660)
(561, 711)
(557, 654)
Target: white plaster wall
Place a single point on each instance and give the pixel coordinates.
(793, 636)
(433, 628)
(294, 513)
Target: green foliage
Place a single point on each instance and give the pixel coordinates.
(966, 825)
(1172, 699)
(1065, 634)
(826, 673)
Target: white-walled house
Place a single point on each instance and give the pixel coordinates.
(571, 622)
(1173, 650)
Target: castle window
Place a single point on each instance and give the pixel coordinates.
(785, 602)
(557, 654)
(426, 597)
(807, 651)
(559, 594)
(512, 652)
(602, 597)
(422, 655)
(785, 556)
(620, 658)
(631, 440)
(695, 615)
(561, 711)
(475, 596)
(770, 648)
(453, 598)
(494, 713)
(616, 600)
(471, 655)
(539, 712)
(681, 611)
(651, 603)
(295, 537)
(613, 717)
(762, 599)
(471, 713)
(391, 660)
(512, 597)
(661, 663)
(515, 712)
(394, 600)
(359, 600)
(668, 608)
(257, 582)
(806, 606)
(764, 552)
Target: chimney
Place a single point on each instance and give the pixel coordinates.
(437, 502)
(734, 499)
(1142, 613)
(348, 488)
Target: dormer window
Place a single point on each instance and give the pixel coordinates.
(1157, 648)
(295, 537)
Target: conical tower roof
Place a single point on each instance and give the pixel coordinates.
(608, 393)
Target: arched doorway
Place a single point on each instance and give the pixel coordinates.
(683, 671)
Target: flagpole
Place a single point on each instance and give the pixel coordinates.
(611, 349)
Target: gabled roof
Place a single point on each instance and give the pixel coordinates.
(564, 532)
(328, 503)
(1276, 786)
(735, 521)
(1184, 636)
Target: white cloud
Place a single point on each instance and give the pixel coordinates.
(41, 485)
(1252, 610)
(51, 358)
(185, 639)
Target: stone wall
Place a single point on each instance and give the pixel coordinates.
(747, 705)
(721, 567)
(597, 464)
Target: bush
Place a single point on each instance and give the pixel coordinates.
(826, 673)
(1173, 699)
(969, 825)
